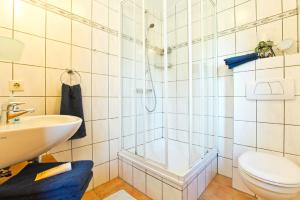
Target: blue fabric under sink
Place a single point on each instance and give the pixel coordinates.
(69, 185)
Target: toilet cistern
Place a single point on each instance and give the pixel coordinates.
(11, 111)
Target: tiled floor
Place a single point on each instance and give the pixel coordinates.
(219, 189)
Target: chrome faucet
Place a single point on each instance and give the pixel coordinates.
(11, 111)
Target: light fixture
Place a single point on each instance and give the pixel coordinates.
(10, 49)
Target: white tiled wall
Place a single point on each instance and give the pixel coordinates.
(55, 40)
(266, 126)
(243, 124)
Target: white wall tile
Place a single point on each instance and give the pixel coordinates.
(201, 183)
(225, 146)
(127, 172)
(226, 19)
(100, 153)
(224, 4)
(58, 27)
(101, 174)
(34, 49)
(270, 31)
(99, 85)
(61, 147)
(82, 8)
(66, 4)
(295, 159)
(246, 40)
(270, 132)
(114, 66)
(139, 180)
(58, 55)
(81, 59)
(225, 127)
(265, 9)
(225, 86)
(290, 31)
(270, 111)
(114, 107)
(241, 80)
(114, 45)
(292, 112)
(64, 156)
(192, 190)
(114, 146)
(81, 34)
(113, 169)
(100, 108)
(245, 13)
(100, 131)
(100, 63)
(114, 128)
(53, 82)
(154, 188)
(82, 153)
(171, 193)
(292, 138)
(5, 68)
(100, 13)
(292, 59)
(226, 45)
(244, 109)
(6, 14)
(29, 18)
(32, 87)
(100, 40)
(225, 166)
(245, 133)
(273, 62)
(226, 106)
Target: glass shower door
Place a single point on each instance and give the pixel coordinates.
(132, 77)
(142, 80)
(203, 78)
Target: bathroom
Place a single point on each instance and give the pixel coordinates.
(150, 99)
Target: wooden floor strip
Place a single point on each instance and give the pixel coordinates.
(219, 189)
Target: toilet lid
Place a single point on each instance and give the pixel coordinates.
(270, 168)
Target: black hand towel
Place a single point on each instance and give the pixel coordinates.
(71, 104)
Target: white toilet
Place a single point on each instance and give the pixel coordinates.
(270, 177)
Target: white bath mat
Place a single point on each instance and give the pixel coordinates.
(121, 195)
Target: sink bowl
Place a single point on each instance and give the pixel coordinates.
(33, 136)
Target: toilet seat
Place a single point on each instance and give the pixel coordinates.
(274, 170)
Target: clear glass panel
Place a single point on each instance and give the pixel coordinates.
(155, 143)
(145, 103)
(131, 76)
(142, 79)
(178, 84)
(203, 76)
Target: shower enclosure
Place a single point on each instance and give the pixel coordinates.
(168, 86)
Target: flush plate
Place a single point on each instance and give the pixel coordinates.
(276, 89)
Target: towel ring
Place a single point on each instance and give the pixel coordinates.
(71, 72)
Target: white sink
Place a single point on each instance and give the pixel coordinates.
(33, 136)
